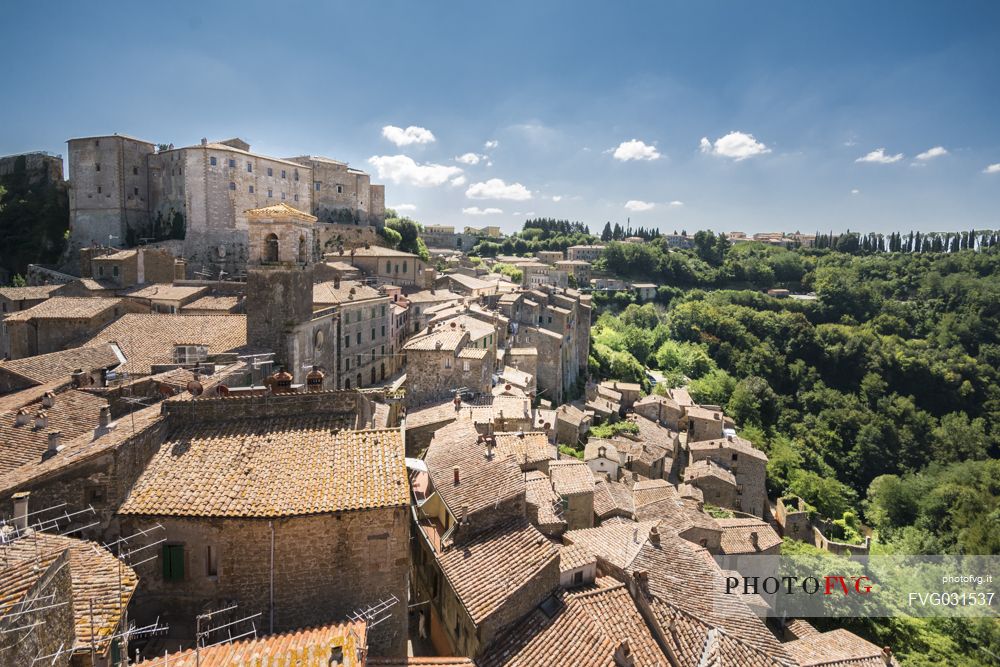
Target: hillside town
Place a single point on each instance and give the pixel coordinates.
(273, 439)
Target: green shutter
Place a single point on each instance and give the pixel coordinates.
(166, 562)
(173, 562)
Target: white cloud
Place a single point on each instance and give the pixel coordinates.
(411, 135)
(677, 202)
(475, 210)
(495, 188)
(458, 180)
(635, 150)
(736, 145)
(491, 144)
(556, 197)
(402, 169)
(992, 169)
(855, 191)
(470, 158)
(403, 207)
(637, 205)
(932, 153)
(879, 156)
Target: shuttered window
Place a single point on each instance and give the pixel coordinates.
(173, 562)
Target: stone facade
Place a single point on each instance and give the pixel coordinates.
(435, 374)
(127, 268)
(27, 337)
(323, 568)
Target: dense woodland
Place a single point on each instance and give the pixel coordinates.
(878, 401)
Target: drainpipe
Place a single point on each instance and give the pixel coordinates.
(270, 525)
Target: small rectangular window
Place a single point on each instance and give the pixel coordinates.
(135, 191)
(340, 189)
(296, 174)
(270, 171)
(283, 173)
(359, 338)
(98, 165)
(232, 185)
(135, 171)
(98, 189)
(347, 340)
(578, 578)
(232, 164)
(211, 561)
(249, 168)
(212, 161)
(296, 197)
(317, 186)
(282, 196)
(465, 366)
(270, 193)
(250, 189)
(173, 562)
(373, 334)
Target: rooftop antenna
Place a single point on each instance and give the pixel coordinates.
(201, 635)
(376, 613)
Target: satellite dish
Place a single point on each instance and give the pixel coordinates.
(195, 388)
(222, 390)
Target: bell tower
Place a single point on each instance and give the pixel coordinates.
(279, 276)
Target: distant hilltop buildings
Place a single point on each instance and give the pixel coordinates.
(125, 190)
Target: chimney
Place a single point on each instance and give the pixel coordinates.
(77, 376)
(49, 399)
(623, 655)
(654, 536)
(887, 655)
(41, 419)
(455, 473)
(20, 501)
(54, 443)
(336, 282)
(105, 416)
(755, 540)
(204, 141)
(23, 417)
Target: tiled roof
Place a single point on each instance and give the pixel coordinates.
(515, 376)
(280, 466)
(117, 256)
(572, 556)
(432, 296)
(449, 339)
(681, 396)
(482, 482)
(737, 539)
(350, 291)
(538, 492)
(708, 468)
(414, 661)
(279, 210)
(570, 413)
(643, 451)
(65, 308)
(91, 443)
(167, 292)
(222, 304)
(58, 365)
(525, 448)
(309, 647)
(28, 293)
(733, 442)
(654, 434)
(686, 586)
(838, 647)
(490, 567)
(468, 281)
(477, 328)
(148, 339)
(473, 353)
(611, 499)
(73, 413)
(94, 573)
(380, 251)
(652, 490)
(19, 575)
(616, 542)
(571, 477)
(585, 629)
(675, 513)
(435, 413)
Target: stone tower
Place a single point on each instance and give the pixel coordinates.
(279, 277)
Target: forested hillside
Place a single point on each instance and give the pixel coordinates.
(878, 401)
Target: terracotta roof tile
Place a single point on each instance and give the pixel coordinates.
(65, 308)
(526, 448)
(281, 466)
(223, 304)
(538, 493)
(490, 567)
(61, 364)
(167, 292)
(571, 477)
(838, 647)
(612, 499)
(28, 293)
(618, 543)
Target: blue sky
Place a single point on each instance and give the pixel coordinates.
(597, 109)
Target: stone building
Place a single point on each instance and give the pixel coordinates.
(587, 253)
(477, 560)
(717, 484)
(573, 482)
(121, 269)
(578, 268)
(364, 342)
(38, 166)
(747, 464)
(703, 423)
(125, 189)
(442, 361)
(54, 323)
(328, 536)
(392, 266)
(661, 409)
(658, 500)
(91, 362)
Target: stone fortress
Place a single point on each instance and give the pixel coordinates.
(125, 191)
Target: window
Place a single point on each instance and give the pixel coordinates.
(271, 248)
(211, 561)
(135, 171)
(98, 165)
(373, 375)
(97, 142)
(465, 366)
(578, 578)
(250, 189)
(359, 338)
(317, 186)
(114, 270)
(135, 191)
(383, 315)
(270, 171)
(270, 193)
(388, 266)
(212, 161)
(735, 456)
(347, 340)
(283, 176)
(173, 562)
(295, 176)
(404, 266)
(232, 164)
(347, 384)
(100, 270)
(98, 189)
(282, 196)
(340, 189)
(249, 167)
(359, 380)
(296, 197)
(347, 367)
(447, 362)
(232, 185)
(383, 331)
